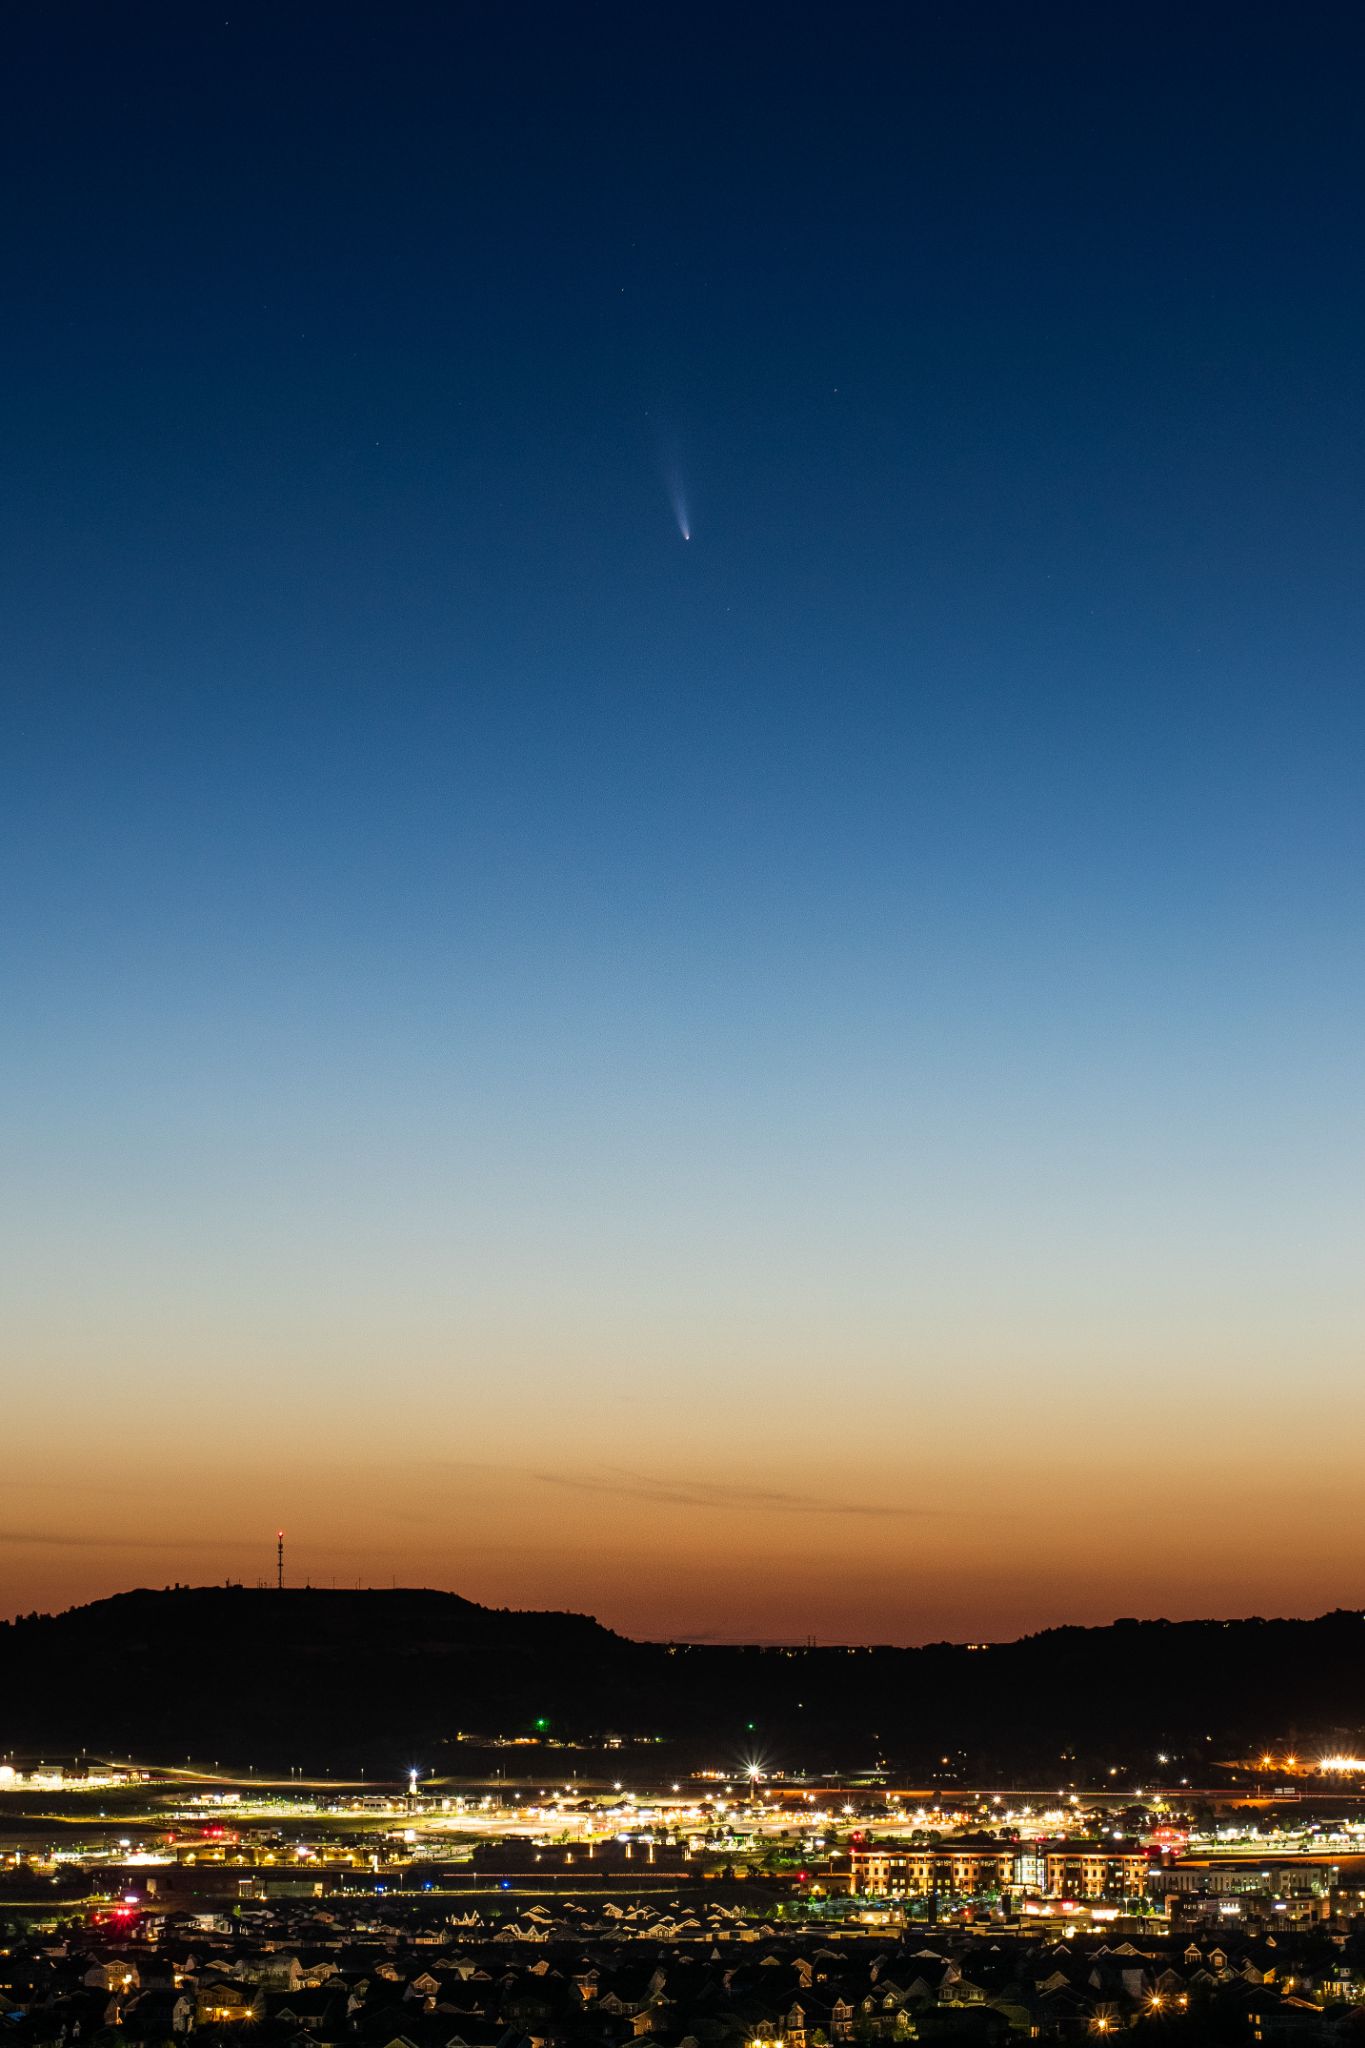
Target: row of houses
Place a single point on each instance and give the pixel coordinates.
(438, 1985)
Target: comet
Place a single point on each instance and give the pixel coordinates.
(680, 512)
(677, 498)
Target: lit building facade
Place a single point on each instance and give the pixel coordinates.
(1073, 1870)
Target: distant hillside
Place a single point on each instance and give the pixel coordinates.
(385, 1679)
(249, 1674)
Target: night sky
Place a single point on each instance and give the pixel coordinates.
(806, 1079)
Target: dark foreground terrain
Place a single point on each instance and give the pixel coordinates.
(382, 1677)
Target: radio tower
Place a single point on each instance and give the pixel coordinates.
(279, 1560)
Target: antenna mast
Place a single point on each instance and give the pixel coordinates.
(279, 1560)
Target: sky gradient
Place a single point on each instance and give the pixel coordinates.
(802, 1080)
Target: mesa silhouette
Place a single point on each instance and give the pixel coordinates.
(388, 1679)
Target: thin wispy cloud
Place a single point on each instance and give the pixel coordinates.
(57, 1539)
(714, 1494)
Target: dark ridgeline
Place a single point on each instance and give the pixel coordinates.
(386, 1678)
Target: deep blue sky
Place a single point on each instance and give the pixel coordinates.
(885, 972)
